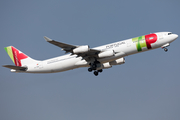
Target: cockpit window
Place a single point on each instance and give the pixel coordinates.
(169, 33)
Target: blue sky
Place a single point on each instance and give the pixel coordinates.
(146, 87)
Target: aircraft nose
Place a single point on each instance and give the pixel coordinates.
(175, 36)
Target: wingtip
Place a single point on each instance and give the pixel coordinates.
(47, 39)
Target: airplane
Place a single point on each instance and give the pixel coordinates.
(96, 59)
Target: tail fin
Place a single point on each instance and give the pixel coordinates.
(19, 58)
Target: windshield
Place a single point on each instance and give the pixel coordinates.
(169, 33)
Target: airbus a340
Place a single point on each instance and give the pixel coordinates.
(96, 59)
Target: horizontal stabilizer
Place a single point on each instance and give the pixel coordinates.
(15, 67)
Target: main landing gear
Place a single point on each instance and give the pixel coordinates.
(97, 72)
(94, 67)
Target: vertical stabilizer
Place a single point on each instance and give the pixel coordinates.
(19, 58)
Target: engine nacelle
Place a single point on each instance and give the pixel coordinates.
(105, 66)
(81, 49)
(108, 53)
(118, 61)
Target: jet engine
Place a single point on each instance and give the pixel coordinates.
(104, 66)
(118, 61)
(108, 53)
(81, 49)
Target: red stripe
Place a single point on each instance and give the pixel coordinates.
(18, 56)
(150, 41)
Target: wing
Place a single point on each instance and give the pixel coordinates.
(70, 48)
(65, 47)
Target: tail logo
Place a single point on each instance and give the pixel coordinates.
(15, 55)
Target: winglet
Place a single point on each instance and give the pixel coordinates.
(47, 39)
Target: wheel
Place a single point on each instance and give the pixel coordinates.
(100, 70)
(96, 73)
(90, 69)
(165, 49)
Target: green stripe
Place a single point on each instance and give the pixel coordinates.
(5, 49)
(138, 46)
(143, 42)
(9, 52)
(140, 42)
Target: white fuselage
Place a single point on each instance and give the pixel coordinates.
(121, 48)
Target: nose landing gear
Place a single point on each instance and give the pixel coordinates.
(165, 49)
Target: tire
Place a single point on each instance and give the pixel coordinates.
(90, 69)
(100, 70)
(165, 49)
(96, 73)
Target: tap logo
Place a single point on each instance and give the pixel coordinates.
(144, 42)
(15, 55)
